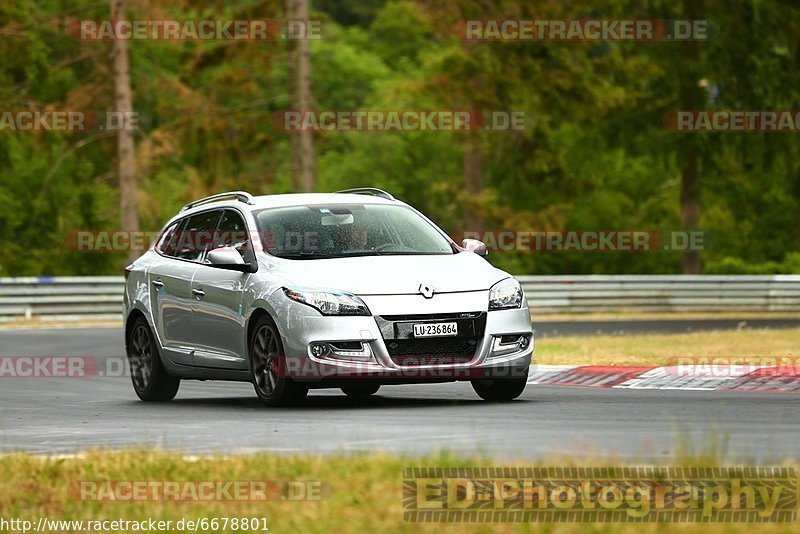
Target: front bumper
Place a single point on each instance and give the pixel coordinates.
(305, 328)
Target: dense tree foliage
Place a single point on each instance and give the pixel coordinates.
(595, 153)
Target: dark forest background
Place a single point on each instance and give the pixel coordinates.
(595, 154)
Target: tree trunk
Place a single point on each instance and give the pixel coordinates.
(291, 76)
(473, 180)
(692, 96)
(303, 149)
(690, 209)
(123, 103)
(473, 151)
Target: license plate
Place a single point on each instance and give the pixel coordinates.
(435, 329)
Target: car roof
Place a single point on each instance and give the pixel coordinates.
(288, 200)
(304, 199)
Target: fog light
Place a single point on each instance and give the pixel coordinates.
(318, 349)
(509, 344)
(357, 351)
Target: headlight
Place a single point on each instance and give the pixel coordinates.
(505, 294)
(328, 302)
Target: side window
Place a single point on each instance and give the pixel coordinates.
(232, 232)
(195, 236)
(168, 245)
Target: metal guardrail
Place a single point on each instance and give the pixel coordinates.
(61, 298)
(66, 298)
(662, 293)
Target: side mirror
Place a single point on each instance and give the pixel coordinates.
(228, 258)
(473, 245)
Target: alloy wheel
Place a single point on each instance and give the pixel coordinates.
(141, 357)
(266, 351)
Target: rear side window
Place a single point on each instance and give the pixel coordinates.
(168, 245)
(196, 235)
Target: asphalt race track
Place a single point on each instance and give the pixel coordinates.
(66, 415)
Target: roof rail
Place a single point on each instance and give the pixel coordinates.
(241, 196)
(374, 191)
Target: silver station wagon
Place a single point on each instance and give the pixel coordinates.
(350, 290)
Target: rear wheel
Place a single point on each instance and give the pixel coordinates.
(361, 390)
(501, 389)
(267, 365)
(150, 380)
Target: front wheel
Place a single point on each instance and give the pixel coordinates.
(150, 380)
(501, 389)
(267, 365)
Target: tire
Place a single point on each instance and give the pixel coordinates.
(267, 362)
(361, 390)
(501, 389)
(150, 380)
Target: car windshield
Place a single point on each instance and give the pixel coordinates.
(345, 230)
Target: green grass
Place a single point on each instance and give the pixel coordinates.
(366, 492)
(658, 349)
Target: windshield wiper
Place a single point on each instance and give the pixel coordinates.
(303, 256)
(313, 256)
(393, 253)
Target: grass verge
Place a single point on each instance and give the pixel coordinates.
(665, 316)
(658, 349)
(365, 492)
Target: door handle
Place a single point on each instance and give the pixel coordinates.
(199, 293)
(158, 283)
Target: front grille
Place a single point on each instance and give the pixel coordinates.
(406, 350)
(433, 351)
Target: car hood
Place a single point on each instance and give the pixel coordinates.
(393, 275)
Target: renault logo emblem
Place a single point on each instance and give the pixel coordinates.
(426, 291)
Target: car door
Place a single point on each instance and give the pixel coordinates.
(170, 282)
(218, 322)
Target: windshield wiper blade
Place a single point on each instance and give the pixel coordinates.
(310, 256)
(394, 253)
(304, 256)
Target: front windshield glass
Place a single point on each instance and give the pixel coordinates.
(339, 230)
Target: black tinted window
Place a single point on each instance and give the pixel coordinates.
(169, 241)
(195, 237)
(231, 232)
